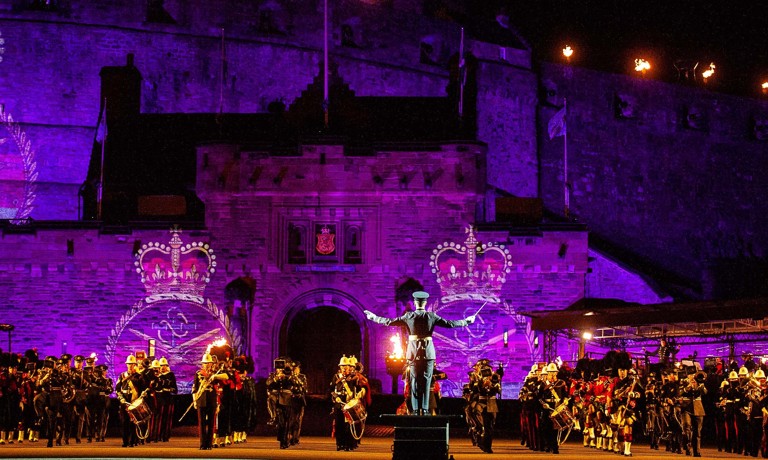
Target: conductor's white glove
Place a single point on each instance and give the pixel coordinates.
(470, 319)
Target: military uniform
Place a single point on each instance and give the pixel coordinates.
(204, 391)
(98, 403)
(78, 408)
(485, 386)
(552, 393)
(166, 390)
(129, 387)
(56, 384)
(280, 394)
(245, 400)
(420, 353)
(298, 403)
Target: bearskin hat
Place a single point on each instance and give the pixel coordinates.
(623, 361)
(223, 352)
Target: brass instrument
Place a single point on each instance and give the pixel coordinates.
(203, 387)
(753, 394)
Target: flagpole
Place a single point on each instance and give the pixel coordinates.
(100, 192)
(565, 161)
(461, 76)
(221, 73)
(325, 64)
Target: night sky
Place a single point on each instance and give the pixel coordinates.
(609, 34)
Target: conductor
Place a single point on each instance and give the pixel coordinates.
(420, 353)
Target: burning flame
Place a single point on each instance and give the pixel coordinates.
(709, 72)
(397, 347)
(567, 51)
(222, 341)
(641, 65)
(765, 85)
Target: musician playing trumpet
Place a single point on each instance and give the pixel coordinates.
(692, 409)
(205, 399)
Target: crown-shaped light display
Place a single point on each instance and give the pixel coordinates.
(471, 271)
(175, 270)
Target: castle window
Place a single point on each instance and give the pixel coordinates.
(353, 253)
(40, 5)
(297, 244)
(156, 13)
(348, 36)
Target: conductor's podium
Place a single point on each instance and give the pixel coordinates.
(419, 437)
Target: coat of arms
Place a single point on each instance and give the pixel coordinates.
(325, 241)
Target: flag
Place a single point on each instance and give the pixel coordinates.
(101, 127)
(557, 124)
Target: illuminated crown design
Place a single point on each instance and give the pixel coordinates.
(175, 270)
(472, 271)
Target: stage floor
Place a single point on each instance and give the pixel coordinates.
(261, 447)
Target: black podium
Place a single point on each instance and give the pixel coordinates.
(419, 437)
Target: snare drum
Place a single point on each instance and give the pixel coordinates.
(139, 411)
(562, 418)
(354, 411)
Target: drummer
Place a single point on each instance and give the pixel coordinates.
(129, 387)
(344, 391)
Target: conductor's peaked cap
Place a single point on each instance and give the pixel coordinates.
(420, 295)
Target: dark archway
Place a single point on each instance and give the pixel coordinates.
(318, 337)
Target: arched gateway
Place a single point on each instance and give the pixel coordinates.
(320, 326)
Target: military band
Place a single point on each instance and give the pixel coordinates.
(613, 402)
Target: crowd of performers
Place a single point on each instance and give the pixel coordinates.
(286, 400)
(145, 393)
(611, 404)
(224, 395)
(53, 397)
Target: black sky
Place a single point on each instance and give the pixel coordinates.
(609, 34)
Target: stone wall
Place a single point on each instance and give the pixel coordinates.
(52, 61)
(672, 177)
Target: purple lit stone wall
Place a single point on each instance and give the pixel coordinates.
(92, 300)
(688, 199)
(249, 221)
(52, 63)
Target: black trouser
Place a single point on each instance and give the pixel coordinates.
(756, 434)
(282, 419)
(421, 383)
(164, 416)
(130, 437)
(489, 422)
(297, 416)
(206, 418)
(98, 416)
(55, 410)
(344, 439)
(79, 413)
